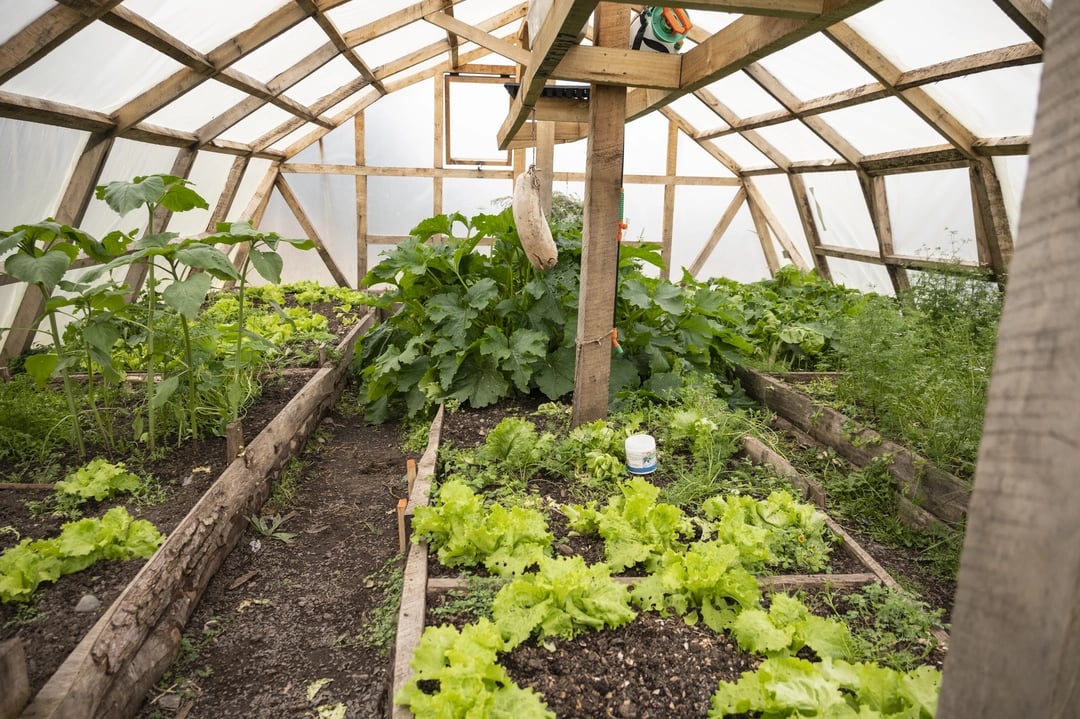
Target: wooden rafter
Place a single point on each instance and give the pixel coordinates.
(804, 9)
(48, 32)
(916, 98)
(338, 41)
(762, 145)
(217, 60)
(48, 112)
(877, 203)
(1012, 56)
(456, 28)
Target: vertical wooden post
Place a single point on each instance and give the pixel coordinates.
(438, 151)
(668, 231)
(599, 254)
(878, 204)
(1015, 648)
(761, 225)
(992, 229)
(545, 162)
(13, 677)
(360, 157)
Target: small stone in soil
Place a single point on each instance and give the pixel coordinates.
(88, 603)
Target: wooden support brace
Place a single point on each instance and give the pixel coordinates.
(410, 466)
(401, 505)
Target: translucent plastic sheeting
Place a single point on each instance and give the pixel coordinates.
(353, 15)
(696, 214)
(743, 96)
(694, 159)
(931, 214)
(1012, 174)
(569, 157)
(296, 264)
(839, 208)
(322, 82)
(776, 189)
(993, 104)
(399, 43)
(256, 171)
(917, 33)
(337, 147)
(737, 256)
(257, 124)
(97, 69)
(815, 67)
(306, 135)
(396, 204)
(187, 20)
(694, 111)
(474, 12)
(329, 201)
(18, 14)
(742, 152)
(882, 126)
(397, 128)
(861, 276)
(47, 154)
(473, 125)
(126, 161)
(208, 176)
(283, 52)
(797, 142)
(194, 109)
(473, 197)
(646, 146)
(644, 213)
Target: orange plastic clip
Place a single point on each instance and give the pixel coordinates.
(615, 340)
(677, 20)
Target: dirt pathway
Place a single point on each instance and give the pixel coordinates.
(281, 618)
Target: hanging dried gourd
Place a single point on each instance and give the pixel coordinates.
(532, 226)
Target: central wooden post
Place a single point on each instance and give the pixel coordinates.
(600, 252)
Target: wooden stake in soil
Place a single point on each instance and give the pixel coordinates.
(401, 505)
(411, 469)
(13, 679)
(234, 440)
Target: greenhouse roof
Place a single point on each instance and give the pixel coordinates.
(867, 139)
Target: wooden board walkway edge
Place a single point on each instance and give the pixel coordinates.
(110, 671)
(413, 607)
(932, 493)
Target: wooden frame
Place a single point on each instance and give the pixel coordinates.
(449, 79)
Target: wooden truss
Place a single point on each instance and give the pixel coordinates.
(650, 82)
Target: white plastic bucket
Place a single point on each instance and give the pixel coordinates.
(640, 454)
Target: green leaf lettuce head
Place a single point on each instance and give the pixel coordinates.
(462, 679)
(789, 687)
(789, 626)
(98, 480)
(564, 598)
(80, 544)
(465, 532)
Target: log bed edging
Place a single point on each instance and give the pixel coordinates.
(110, 671)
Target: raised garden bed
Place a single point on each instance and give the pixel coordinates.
(133, 641)
(655, 666)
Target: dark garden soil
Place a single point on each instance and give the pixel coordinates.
(281, 618)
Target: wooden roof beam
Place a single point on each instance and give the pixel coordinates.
(739, 45)
(917, 99)
(338, 41)
(48, 32)
(182, 81)
(456, 28)
(550, 44)
(1011, 56)
(804, 9)
(396, 21)
(726, 114)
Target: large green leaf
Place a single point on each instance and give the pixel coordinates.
(554, 374)
(44, 271)
(268, 264)
(123, 196)
(179, 197)
(211, 259)
(41, 367)
(187, 296)
(670, 298)
(164, 390)
(479, 382)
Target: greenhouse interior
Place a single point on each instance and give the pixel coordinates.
(554, 358)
